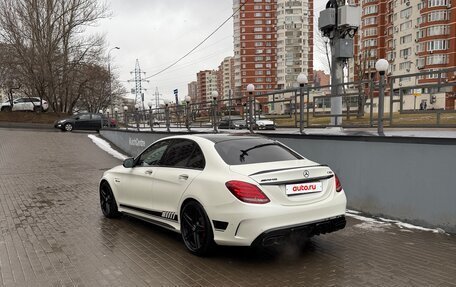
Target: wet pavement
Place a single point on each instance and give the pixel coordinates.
(52, 233)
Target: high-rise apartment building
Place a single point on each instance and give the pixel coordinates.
(294, 41)
(225, 79)
(413, 35)
(255, 45)
(206, 84)
(193, 91)
(273, 43)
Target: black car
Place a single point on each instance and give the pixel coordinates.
(84, 121)
(232, 123)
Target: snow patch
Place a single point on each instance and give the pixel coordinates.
(104, 145)
(411, 226)
(380, 223)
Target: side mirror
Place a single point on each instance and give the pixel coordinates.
(129, 163)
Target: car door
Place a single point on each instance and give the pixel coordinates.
(81, 121)
(95, 122)
(181, 164)
(18, 105)
(135, 191)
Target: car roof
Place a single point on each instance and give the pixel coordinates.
(216, 138)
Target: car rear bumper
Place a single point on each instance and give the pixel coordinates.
(248, 222)
(300, 231)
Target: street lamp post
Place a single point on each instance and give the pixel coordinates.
(302, 80)
(167, 115)
(125, 108)
(151, 117)
(101, 120)
(116, 116)
(381, 66)
(137, 116)
(187, 112)
(108, 112)
(214, 110)
(250, 89)
(109, 75)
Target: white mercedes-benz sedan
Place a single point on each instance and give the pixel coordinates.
(226, 189)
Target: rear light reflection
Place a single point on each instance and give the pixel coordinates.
(246, 192)
(338, 184)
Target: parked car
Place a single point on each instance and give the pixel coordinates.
(25, 104)
(84, 121)
(226, 189)
(263, 124)
(232, 123)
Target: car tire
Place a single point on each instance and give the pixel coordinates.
(6, 109)
(196, 229)
(37, 109)
(68, 127)
(108, 203)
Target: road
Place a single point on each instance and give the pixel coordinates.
(52, 233)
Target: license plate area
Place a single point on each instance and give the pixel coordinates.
(303, 188)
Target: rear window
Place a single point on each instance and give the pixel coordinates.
(248, 151)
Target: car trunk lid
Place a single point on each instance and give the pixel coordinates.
(291, 182)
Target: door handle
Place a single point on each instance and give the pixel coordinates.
(149, 172)
(183, 177)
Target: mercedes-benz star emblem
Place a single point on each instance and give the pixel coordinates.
(306, 173)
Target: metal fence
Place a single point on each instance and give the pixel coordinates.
(310, 106)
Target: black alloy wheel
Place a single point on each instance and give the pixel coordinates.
(196, 229)
(68, 127)
(108, 202)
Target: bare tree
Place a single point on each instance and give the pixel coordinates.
(48, 43)
(361, 69)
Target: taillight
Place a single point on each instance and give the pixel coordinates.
(246, 192)
(338, 184)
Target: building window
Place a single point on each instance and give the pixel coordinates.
(406, 13)
(437, 59)
(437, 45)
(434, 3)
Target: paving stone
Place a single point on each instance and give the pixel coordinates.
(52, 233)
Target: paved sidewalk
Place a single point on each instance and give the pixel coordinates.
(52, 233)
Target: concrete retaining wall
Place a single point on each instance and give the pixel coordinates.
(410, 179)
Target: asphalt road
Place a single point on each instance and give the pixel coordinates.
(52, 233)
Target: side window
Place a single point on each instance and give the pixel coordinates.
(178, 153)
(96, 117)
(197, 160)
(153, 154)
(84, 117)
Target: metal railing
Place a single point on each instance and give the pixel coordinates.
(310, 107)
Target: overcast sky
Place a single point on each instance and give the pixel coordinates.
(158, 32)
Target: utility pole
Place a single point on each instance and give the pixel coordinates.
(157, 96)
(139, 90)
(339, 23)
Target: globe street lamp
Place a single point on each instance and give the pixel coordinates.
(381, 66)
(188, 99)
(166, 101)
(116, 113)
(214, 110)
(137, 116)
(151, 117)
(302, 81)
(108, 112)
(125, 108)
(109, 74)
(101, 116)
(250, 90)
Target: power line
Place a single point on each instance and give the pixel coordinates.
(202, 42)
